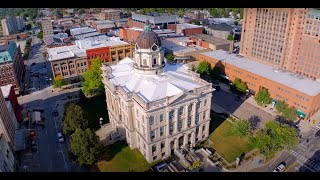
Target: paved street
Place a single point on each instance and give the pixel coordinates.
(51, 156)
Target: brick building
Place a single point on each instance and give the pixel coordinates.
(110, 14)
(302, 93)
(10, 96)
(211, 42)
(286, 38)
(11, 66)
(188, 29)
(72, 61)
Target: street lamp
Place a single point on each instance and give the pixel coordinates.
(101, 119)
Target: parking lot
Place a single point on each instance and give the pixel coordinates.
(227, 102)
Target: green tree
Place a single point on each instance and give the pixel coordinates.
(169, 57)
(92, 83)
(240, 85)
(58, 82)
(180, 12)
(236, 81)
(241, 13)
(274, 137)
(236, 23)
(85, 146)
(263, 97)
(214, 12)
(241, 128)
(290, 113)
(204, 68)
(196, 22)
(216, 71)
(28, 26)
(230, 37)
(40, 35)
(75, 117)
(281, 106)
(195, 165)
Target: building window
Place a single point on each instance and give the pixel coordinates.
(154, 148)
(154, 158)
(171, 115)
(152, 135)
(189, 121)
(162, 145)
(205, 102)
(161, 117)
(151, 120)
(154, 61)
(203, 127)
(161, 131)
(137, 112)
(204, 115)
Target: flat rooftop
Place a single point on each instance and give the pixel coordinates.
(304, 85)
(175, 46)
(188, 26)
(6, 90)
(211, 39)
(65, 52)
(82, 30)
(104, 41)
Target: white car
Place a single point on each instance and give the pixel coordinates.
(280, 167)
(60, 137)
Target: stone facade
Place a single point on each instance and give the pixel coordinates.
(160, 127)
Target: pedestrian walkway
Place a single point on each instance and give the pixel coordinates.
(254, 163)
(307, 162)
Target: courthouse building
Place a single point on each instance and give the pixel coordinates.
(159, 108)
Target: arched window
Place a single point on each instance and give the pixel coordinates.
(144, 62)
(154, 61)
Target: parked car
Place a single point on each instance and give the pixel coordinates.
(217, 88)
(280, 167)
(33, 134)
(60, 137)
(317, 134)
(33, 64)
(237, 98)
(34, 145)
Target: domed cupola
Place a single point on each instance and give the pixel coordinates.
(148, 54)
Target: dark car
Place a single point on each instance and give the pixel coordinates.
(33, 64)
(217, 88)
(237, 98)
(317, 134)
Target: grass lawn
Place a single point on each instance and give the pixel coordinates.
(225, 142)
(120, 158)
(96, 107)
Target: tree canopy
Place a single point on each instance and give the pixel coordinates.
(274, 137)
(74, 118)
(40, 35)
(85, 146)
(289, 113)
(240, 85)
(241, 128)
(204, 68)
(169, 57)
(92, 83)
(58, 82)
(216, 71)
(230, 38)
(281, 106)
(263, 97)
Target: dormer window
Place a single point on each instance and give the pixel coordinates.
(154, 47)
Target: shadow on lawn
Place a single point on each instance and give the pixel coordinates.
(216, 120)
(113, 149)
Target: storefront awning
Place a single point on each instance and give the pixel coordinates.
(301, 113)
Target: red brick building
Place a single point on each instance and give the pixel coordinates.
(188, 29)
(102, 53)
(129, 34)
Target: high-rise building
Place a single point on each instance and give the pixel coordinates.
(160, 109)
(11, 25)
(47, 28)
(286, 38)
(7, 158)
(7, 124)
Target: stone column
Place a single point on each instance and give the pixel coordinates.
(193, 139)
(176, 143)
(186, 114)
(185, 139)
(200, 131)
(168, 124)
(193, 119)
(175, 121)
(167, 147)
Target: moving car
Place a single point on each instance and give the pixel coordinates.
(280, 167)
(60, 137)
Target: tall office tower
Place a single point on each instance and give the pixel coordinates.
(285, 38)
(47, 27)
(11, 25)
(7, 124)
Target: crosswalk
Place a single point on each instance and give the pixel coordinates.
(307, 162)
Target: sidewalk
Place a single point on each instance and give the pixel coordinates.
(251, 164)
